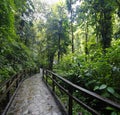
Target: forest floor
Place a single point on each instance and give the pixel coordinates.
(33, 98)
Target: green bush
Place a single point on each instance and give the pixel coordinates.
(100, 73)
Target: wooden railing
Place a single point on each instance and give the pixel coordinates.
(59, 81)
(9, 88)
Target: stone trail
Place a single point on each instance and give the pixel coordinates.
(33, 98)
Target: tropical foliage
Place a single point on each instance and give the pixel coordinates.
(79, 39)
(16, 37)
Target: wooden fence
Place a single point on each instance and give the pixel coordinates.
(9, 88)
(60, 82)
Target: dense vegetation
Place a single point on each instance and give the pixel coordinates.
(16, 37)
(79, 39)
(83, 43)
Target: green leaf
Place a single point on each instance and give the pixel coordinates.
(116, 95)
(114, 113)
(109, 108)
(103, 86)
(96, 88)
(106, 94)
(111, 90)
(91, 82)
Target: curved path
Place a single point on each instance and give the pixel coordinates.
(33, 98)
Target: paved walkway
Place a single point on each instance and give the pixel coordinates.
(33, 98)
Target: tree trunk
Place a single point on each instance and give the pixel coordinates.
(97, 31)
(71, 13)
(105, 26)
(59, 48)
(86, 40)
(72, 37)
(50, 60)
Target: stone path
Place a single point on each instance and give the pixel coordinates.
(33, 98)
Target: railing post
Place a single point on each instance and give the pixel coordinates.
(43, 74)
(21, 77)
(70, 101)
(35, 71)
(17, 81)
(46, 75)
(29, 72)
(26, 73)
(8, 93)
(53, 83)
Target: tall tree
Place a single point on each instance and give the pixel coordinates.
(70, 10)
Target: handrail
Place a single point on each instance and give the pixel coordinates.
(69, 92)
(12, 83)
(5, 82)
